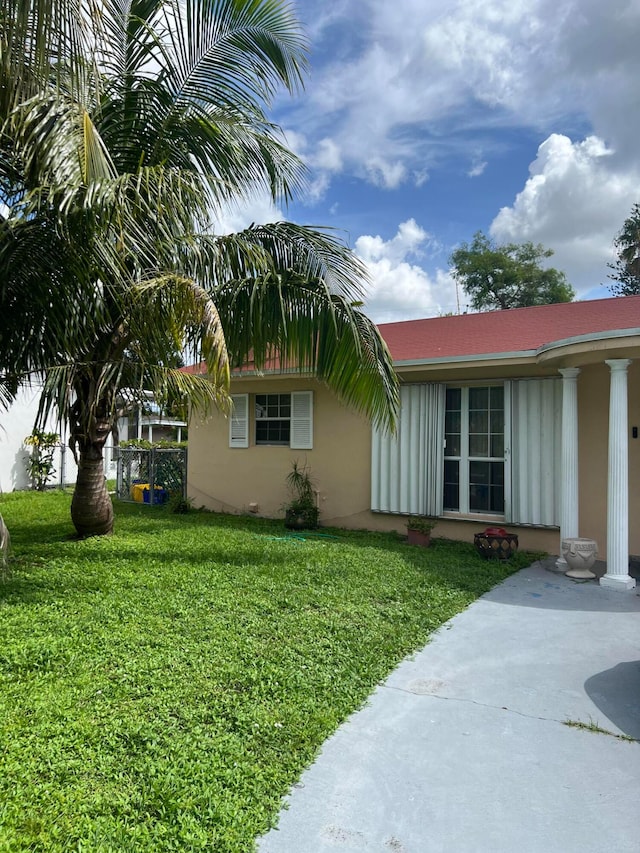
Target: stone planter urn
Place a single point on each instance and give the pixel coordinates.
(580, 554)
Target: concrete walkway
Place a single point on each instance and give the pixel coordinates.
(464, 749)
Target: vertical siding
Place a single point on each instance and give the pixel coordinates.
(535, 458)
(406, 469)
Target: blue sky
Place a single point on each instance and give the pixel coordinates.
(423, 121)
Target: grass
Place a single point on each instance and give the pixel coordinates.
(596, 729)
(161, 689)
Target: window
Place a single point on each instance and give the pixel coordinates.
(279, 419)
(474, 450)
(485, 450)
(273, 418)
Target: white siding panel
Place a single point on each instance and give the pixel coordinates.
(536, 440)
(406, 469)
(434, 448)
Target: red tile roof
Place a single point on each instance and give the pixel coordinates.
(515, 330)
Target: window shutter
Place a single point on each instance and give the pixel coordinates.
(239, 421)
(406, 468)
(536, 436)
(301, 420)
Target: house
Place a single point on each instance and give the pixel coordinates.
(152, 423)
(16, 424)
(527, 418)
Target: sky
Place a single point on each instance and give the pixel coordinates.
(424, 121)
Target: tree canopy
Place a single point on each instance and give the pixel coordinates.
(507, 276)
(626, 269)
(124, 128)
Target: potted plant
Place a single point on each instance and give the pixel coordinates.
(419, 529)
(301, 513)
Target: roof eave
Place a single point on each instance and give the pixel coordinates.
(521, 355)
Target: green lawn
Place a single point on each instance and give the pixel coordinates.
(162, 688)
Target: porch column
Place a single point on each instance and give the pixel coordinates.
(617, 576)
(569, 460)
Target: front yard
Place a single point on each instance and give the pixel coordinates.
(162, 688)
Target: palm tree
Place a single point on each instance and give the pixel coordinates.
(126, 126)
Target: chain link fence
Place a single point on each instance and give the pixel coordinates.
(151, 476)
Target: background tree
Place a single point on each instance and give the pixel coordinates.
(123, 128)
(508, 276)
(626, 269)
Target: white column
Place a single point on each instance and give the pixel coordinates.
(617, 576)
(569, 463)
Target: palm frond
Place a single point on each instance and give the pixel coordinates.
(295, 324)
(8, 389)
(202, 394)
(234, 55)
(58, 142)
(176, 308)
(316, 254)
(49, 300)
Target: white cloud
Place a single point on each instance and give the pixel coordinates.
(390, 104)
(236, 217)
(328, 156)
(323, 160)
(574, 201)
(400, 288)
(477, 169)
(385, 174)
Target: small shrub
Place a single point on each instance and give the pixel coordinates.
(40, 461)
(180, 505)
(421, 523)
(145, 444)
(301, 512)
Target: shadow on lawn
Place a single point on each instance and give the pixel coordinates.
(449, 563)
(49, 562)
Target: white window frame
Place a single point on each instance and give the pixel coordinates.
(465, 458)
(267, 419)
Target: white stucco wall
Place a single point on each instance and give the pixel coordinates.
(15, 424)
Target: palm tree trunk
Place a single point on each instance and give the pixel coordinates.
(91, 507)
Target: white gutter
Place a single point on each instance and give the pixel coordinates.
(593, 336)
(531, 353)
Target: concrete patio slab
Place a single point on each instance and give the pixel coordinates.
(465, 747)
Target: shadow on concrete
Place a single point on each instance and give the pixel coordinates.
(616, 692)
(541, 588)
